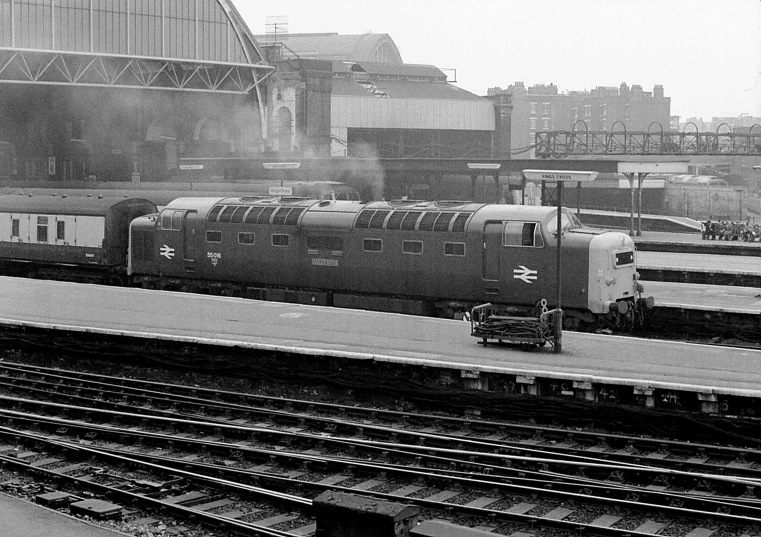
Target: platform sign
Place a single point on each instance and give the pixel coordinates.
(281, 191)
(281, 165)
(559, 176)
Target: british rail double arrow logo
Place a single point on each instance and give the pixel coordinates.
(525, 274)
(167, 252)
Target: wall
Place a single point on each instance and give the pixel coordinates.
(700, 202)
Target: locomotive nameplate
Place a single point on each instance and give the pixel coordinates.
(325, 262)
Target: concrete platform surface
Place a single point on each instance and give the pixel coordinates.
(363, 335)
(19, 518)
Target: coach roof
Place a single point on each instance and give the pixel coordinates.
(67, 205)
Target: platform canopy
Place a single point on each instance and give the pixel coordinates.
(186, 45)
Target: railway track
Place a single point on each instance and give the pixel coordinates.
(501, 476)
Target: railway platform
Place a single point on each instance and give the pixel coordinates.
(438, 353)
(20, 518)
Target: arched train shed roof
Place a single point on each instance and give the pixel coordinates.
(378, 48)
(201, 45)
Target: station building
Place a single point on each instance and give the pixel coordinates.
(353, 96)
(115, 90)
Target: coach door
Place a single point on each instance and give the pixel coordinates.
(189, 246)
(491, 255)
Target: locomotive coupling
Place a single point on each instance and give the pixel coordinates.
(621, 307)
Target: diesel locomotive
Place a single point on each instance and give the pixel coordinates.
(428, 258)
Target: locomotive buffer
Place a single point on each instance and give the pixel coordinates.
(528, 331)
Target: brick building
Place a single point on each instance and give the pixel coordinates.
(542, 107)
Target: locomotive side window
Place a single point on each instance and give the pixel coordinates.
(15, 228)
(454, 248)
(42, 229)
(246, 238)
(60, 231)
(522, 234)
(412, 247)
(279, 239)
(372, 245)
(213, 236)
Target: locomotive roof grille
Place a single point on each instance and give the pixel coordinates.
(411, 220)
(268, 214)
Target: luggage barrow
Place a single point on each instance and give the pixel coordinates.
(528, 332)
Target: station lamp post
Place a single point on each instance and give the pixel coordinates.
(559, 177)
(757, 170)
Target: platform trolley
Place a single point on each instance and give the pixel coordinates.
(528, 332)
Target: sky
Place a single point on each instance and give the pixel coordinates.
(706, 53)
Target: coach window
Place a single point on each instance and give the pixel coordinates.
(246, 238)
(42, 229)
(278, 239)
(454, 248)
(213, 236)
(412, 247)
(60, 231)
(15, 233)
(372, 245)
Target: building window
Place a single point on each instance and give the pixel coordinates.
(412, 247)
(587, 110)
(42, 229)
(533, 107)
(575, 112)
(546, 123)
(372, 245)
(533, 123)
(213, 236)
(454, 248)
(278, 239)
(60, 231)
(246, 238)
(15, 228)
(604, 110)
(545, 108)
